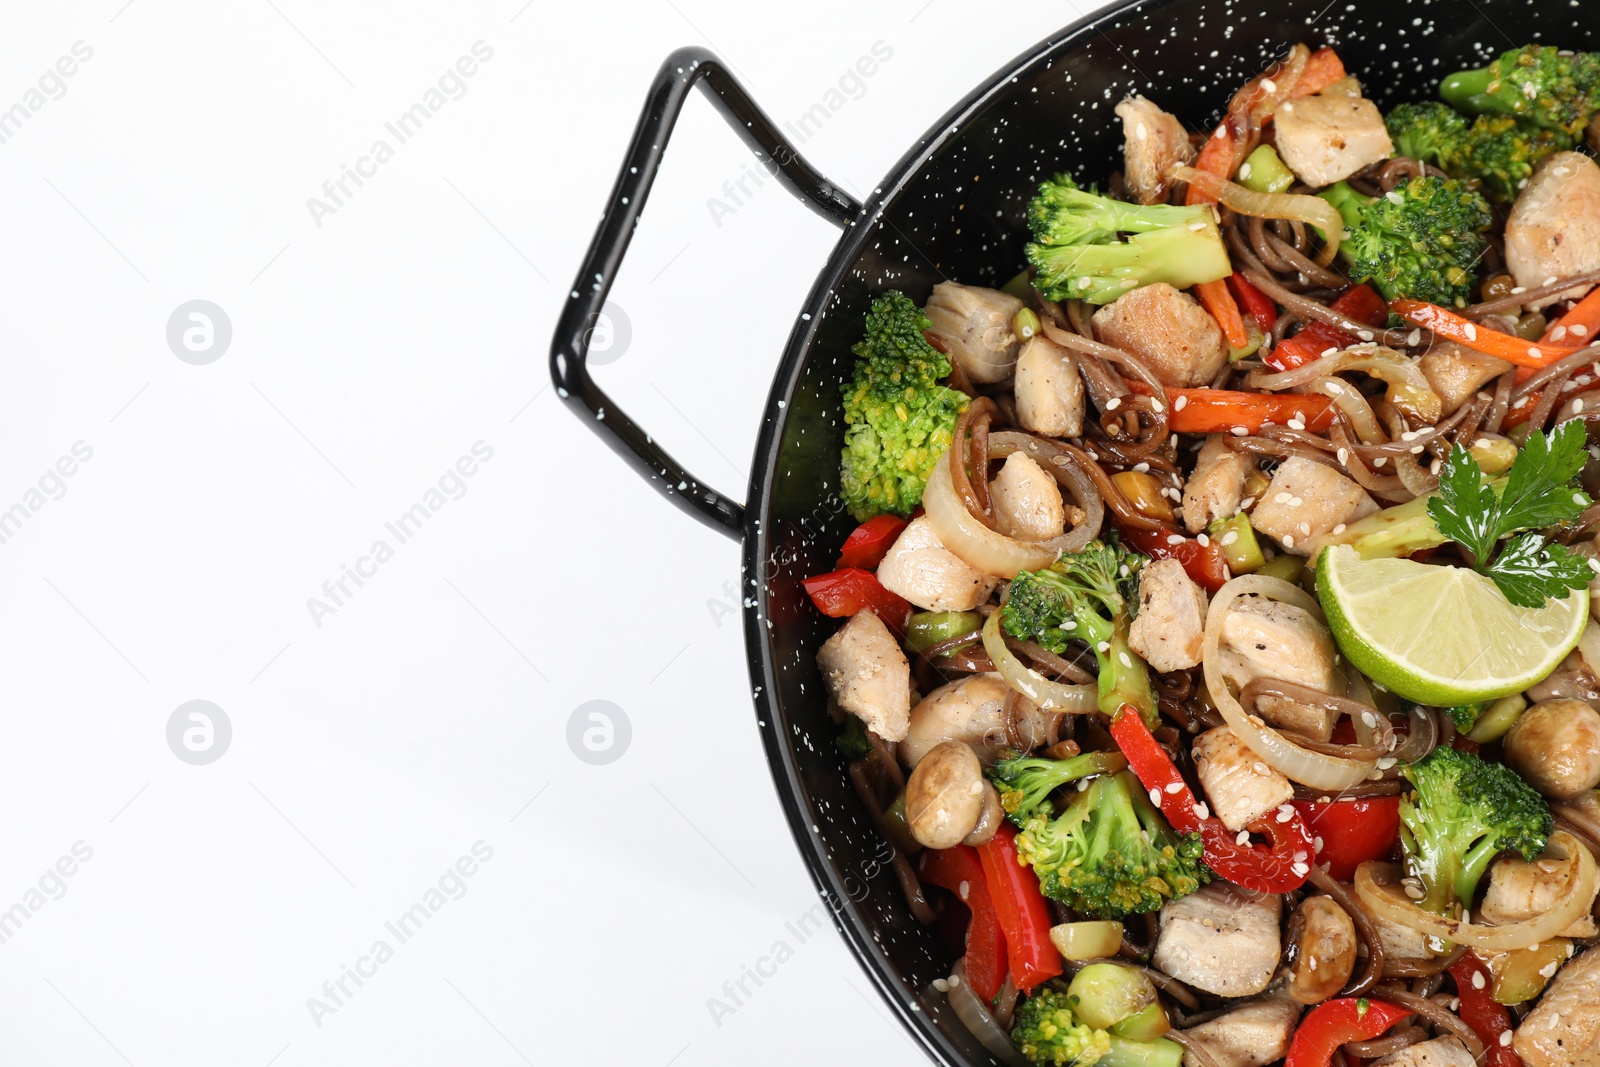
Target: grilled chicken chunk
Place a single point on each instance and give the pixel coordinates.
(1553, 231)
(1305, 501)
(1171, 622)
(1520, 890)
(972, 710)
(1239, 786)
(1266, 639)
(1027, 500)
(1216, 488)
(1153, 143)
(1575, 679)
(1221, 938)
(1455, 373)
(1251, 1035)
(919, 568)
(974, 326)
(1175, 337)
(867, 675)
(1329, 136)
(1440, 1052)
(1564, 1030)
(1048, 389)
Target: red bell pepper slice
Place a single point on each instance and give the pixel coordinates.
(1206, 564)
(840, 594)
(1261, 307)
(1221, 410)
(1480, 1011)
(1275, 868)
(1024, 915)
(960, 871)
(870, 542)
(1352, 831)
(1333, 1022)
(1359, 303)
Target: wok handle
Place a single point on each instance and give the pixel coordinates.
(569, 350)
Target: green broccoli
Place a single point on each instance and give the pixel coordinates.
(1087, 596)
(1422, 240)
(1460, 814)
(1557, 90)
(1047, 1032)
(1110, 854)
(1500, 151)
(1465, 716)
(1076, 251)
(1026, 782)
(898, 419)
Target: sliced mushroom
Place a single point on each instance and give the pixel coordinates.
(945, 796)
(1322, 950)
(1555, 745)
(973, 325)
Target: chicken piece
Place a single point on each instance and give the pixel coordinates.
(1251, 1035)
(1175, 337)
(1240, 787)
(867, 675)
(1305, 501)
(1520, 890)
(1555, 746)
(1440, 1052)
(919, 568)
(974, 326)
(1329, 136)
(1553, 231)
(973, 710)
(1027, 500)
(1222, 939)
(1216, 488)
(1266, 639)
(1400, 943)
(1171, 623)
(1455, 373)
(1564, 1030)
(1153, 143)
(1048, 389)
(1575, 679)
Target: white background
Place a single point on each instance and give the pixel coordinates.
(430, 710)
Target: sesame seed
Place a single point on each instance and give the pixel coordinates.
(1552, 279)
(1285, 816)
(1326, 352)
(1579, 499)
(1344, 455)
(1155, 797)
(1126, 662)
(1240, 431)
(954, 981)
(1104, 646)
(1180, 403)
(1339, 529)
(1380, 461)
(1244, 171)
(963, 888)
(1414, 338)
(1288, 540)
(1369, 718)
(941, 985)
(1205, 542)
(1201, 812)
(1549, 970)
(1533, 350)
(1174, 787)
(1505, 1039)
(1281, 498)
(1084, 283)
(1297, 423)
(1386, 762)
(1558, 333)
(1577, 405)
(1366, 335)
(1246, 503)
(1261, 768)
(1158, 406)
(1114, 403)
(1295, 501)
(1243, 838)
(1477, 980)
(1316, 845)
(1174, 539)
(1229, 538)
(1142, 468)
(1129, 283)
(1302, 870)
(1472, 331)
(1268, 85)
(1415, 893)
(1579, 330)
(1417, 450)
(1435, 466)
(1394, 197)
(1140, 132)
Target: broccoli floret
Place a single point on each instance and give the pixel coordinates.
(1045, 1032)
(1465, 716)
(1085, 597)
(1110, 854)
(1500, 151)
(1539, 83)
(1422, 240)
(1461, 813)
(1076, 250)
(853, 741)
(1026, 782)
(898, 419)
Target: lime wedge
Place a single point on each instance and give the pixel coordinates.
(1442, 635)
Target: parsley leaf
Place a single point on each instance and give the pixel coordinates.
(1466, 510)
(1537, 494)
(1529, 572)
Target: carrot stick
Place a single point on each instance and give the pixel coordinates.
(1217, 300)
(1581, 325)
(1323, 68)
(1465, 332)
(1224, 410)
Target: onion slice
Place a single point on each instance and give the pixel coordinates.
(989, 550)
(976, 1018)
(1506, 938)
(1312, 210)
(1408, 390)
(1047, 695)
(1315, 769)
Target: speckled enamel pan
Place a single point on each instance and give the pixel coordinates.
(952, 208)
